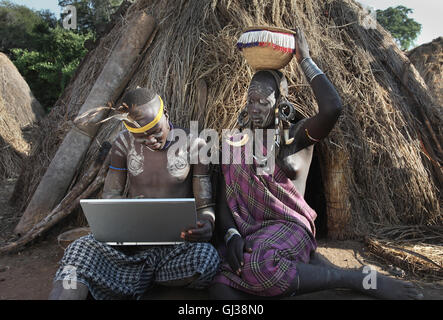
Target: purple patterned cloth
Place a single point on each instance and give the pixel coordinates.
(274, 217)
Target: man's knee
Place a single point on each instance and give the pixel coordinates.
(87, 241)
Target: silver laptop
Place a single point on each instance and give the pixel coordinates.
(139, 221)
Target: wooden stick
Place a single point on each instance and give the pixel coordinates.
(68, 204)
(109, 85)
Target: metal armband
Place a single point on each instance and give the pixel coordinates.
(310, 69)
(201, 184)
(230, 233)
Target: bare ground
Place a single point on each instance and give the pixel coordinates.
(28, 274)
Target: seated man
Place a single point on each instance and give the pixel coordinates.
(267, 225)
(140, 155)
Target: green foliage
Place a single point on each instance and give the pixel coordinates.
(46, 54)
(51, 64)
(16, 25)
(404, 29)
(49, 18)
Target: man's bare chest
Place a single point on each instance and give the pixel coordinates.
(156, 167)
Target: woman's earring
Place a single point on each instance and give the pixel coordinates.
(286, 127)
(277, 127)
(286, 110)
(287, 113)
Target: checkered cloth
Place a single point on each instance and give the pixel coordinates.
(122, 272)
(271, 214)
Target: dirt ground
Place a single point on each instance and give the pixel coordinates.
(28, 274)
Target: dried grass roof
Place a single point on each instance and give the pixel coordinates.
(17, 95)
(428, 60)
(385, 137)
(18, 109)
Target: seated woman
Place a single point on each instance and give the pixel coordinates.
(140, 155)
(267, 225)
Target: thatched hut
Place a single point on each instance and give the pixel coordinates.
(380, 166)
(18, 109)
(428, 60)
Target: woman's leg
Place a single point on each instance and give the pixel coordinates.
(320, 275)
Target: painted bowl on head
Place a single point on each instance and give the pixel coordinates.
(267, 47)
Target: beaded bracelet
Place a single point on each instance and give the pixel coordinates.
(230, 233)
(310, 69)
